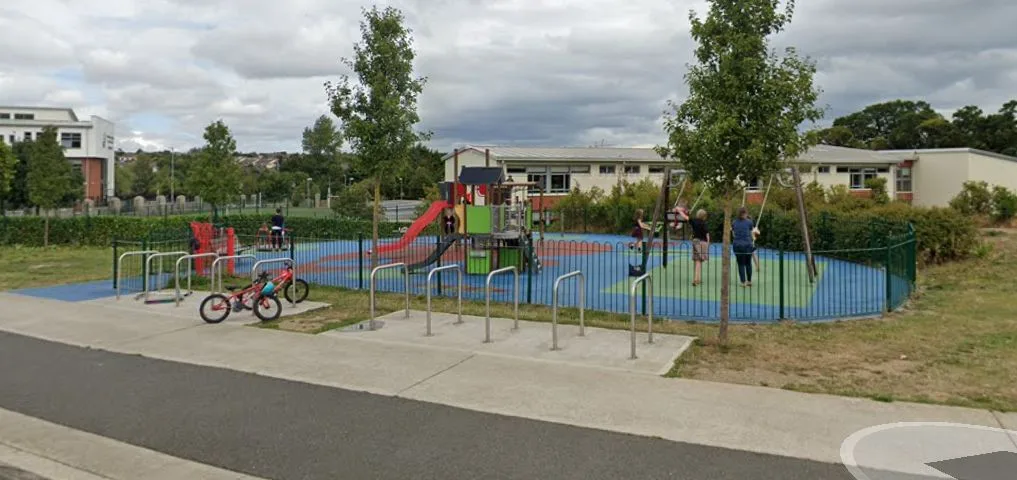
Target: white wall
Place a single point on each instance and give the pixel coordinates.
(992, 170)
(938, 177)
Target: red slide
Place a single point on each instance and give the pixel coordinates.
(418, 225)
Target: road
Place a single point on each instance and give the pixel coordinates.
(279, 429)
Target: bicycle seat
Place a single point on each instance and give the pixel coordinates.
(231, 288)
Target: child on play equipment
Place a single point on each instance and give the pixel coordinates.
(637, 231)
(681, 215)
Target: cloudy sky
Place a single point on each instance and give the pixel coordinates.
(538, 72)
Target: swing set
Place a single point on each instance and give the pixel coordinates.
(786, 178)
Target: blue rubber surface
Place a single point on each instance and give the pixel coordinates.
(76, 292)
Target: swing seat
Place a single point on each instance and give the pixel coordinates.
(636, 270)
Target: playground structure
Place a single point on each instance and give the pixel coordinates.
(493, 223)
(264, 242)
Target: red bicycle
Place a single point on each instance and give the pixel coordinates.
(294, 289)
(258, 296)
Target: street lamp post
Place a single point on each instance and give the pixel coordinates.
(311, 201)
(173, 174)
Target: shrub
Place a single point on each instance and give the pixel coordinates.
(974, 199)
(101, 231)
(354, 201)
(1004, 204)
(877, 186)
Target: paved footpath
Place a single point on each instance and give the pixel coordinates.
(399, 411)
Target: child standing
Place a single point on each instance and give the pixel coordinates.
(700, 245)
(637, 230)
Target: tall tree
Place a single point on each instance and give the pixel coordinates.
(214, 174)
(145, 178)
(8, 169)
(745, 106)
(50, 176)
(893, 124)
(379, 110)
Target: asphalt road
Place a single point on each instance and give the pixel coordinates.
(288, 430)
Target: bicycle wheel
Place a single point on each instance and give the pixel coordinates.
(267, 308)
(214, 308)
(297, 291)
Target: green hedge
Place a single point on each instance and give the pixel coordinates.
(101, 230)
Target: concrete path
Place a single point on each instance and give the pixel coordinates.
(744, 418)
(598, 347)
(188, 308)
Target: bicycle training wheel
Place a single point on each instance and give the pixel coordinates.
(215, 308)
(267, 308)
(296, 291)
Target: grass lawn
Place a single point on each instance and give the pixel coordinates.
(26, 267)
(957, 343)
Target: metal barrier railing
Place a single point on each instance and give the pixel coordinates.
(406, 286)
(216, 271)
(190, 267)
(148, 272)
(649, 309)
(120, 268)
(487, 295)
(292, 264)
(554, 306)
(459, 294)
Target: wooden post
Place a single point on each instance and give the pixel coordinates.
(487, 157)
(810, 264)
(455, 178)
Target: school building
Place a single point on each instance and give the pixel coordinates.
(928, 177)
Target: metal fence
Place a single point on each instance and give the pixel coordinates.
(849, 282)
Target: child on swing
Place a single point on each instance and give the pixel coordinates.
(637, 231)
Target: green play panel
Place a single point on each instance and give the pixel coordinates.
(675, 281)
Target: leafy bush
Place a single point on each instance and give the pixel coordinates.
(1004, 204)
(102, 230)
(354, 201)
(974, 199)
(877, 185)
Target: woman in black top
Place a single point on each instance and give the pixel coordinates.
(700, 245)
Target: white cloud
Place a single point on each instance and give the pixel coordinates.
(557, 72)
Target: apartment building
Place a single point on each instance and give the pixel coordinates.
(88, 144)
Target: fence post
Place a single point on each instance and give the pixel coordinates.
(115, 257)
(644, 288)
(889, 282)
(144, 265)
(438, 264)
(360, 261)
(780, 280)
(292, 249)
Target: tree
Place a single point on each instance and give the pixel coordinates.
(215, 175)
(378, 111)
(893, 124)
(49, 175)
(8, 169)
(745, 105)
(143, 171)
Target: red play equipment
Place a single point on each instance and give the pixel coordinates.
(418, 226)
(263, 239)
(216, 240)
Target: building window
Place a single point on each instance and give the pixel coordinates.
(883, 170)
(631, 169)
(70, 140)
(108, 143)
(24, 116)
(843, 170)
(5, 116)
(539, 179)
(607, 169)
(656, 170)
(516, 170)
(585, 169)
(903, 179)
(823, 169)
(859, 176)
(560, 183)
(28, 136)
(11, 138)
(753, 185)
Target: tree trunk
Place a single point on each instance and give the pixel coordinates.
(374, 222)
(725, 272)
(45, 231)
